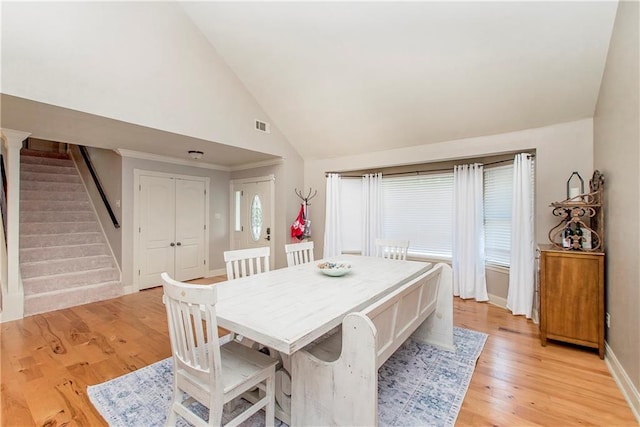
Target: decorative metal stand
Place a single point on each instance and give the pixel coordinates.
(581, 226)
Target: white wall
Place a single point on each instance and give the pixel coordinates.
(617, 155)
(143, 63)
(140, 62)
(560, 149)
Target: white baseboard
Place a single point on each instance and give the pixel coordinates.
(625, 384)
(217, 272)
(499, 301)
(502, 303)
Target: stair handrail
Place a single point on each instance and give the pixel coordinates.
(3, 195)
(96, 180)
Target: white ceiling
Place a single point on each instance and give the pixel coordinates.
(340, 78)
(70, 126)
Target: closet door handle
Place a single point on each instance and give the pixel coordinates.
(172, 244)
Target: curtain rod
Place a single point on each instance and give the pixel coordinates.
(418, 172)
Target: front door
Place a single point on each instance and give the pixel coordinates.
(251, 213)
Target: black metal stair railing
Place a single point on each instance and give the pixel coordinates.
(3, 195)
(96, 180)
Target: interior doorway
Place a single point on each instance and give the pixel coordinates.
(172, 227)
(252, 212)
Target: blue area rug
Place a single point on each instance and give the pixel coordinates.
(419, 385)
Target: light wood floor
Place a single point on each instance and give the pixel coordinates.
(48, 360)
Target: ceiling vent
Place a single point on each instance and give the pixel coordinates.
(263, 126)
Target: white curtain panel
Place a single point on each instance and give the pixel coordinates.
(468, 233)
(372, 212)
(521, 270)
(332, 236)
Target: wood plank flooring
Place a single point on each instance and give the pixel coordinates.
(48, 360)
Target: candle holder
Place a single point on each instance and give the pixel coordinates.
(575, 186)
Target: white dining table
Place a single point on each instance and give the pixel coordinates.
(288, 308)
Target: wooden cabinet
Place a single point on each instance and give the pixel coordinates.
(572, 297)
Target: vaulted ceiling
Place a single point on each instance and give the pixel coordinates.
(340, 78)
(335, 78)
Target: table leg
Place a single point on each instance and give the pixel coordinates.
(283, 386)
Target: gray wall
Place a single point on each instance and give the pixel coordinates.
(117, 177)
(617, 156)
(288, 176)
(560, 149)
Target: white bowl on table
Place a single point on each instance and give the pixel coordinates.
(334, 268)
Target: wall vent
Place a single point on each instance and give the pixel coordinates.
(263, 126)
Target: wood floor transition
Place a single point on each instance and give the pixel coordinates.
(47, 361)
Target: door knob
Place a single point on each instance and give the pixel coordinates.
(179, 244)
(172, 244)
(267, 238)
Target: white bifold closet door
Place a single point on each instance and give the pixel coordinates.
(172, 229)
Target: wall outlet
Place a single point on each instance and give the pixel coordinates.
(608, 319)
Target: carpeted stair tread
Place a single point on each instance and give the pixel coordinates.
(45, 302)
(64, 258)
(39, 241)
(67, 265)
(75, 279)
(49, 177)
(60, 216)
(36, 160)
(49, 169)
(25, 152)
(61, 196)
(51, 186)
(62, 252)
(32, 228)
(53, 205)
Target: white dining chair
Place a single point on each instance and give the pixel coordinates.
(247, 262)
(203, 370)
(392, 248)
(299, 253)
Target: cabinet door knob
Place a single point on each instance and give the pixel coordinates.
(172, 244)
(179, 244)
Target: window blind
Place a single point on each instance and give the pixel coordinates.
(498, 187)
(420, 208)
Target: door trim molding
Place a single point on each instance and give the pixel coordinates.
(137, 173)
(272, 193)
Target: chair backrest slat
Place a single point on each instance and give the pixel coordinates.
(299, 253)
(392, 248)
(193, 327)
(247, 262)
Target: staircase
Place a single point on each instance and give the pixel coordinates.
(64, 258)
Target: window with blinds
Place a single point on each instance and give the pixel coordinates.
(498, 186)
(420, 209)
